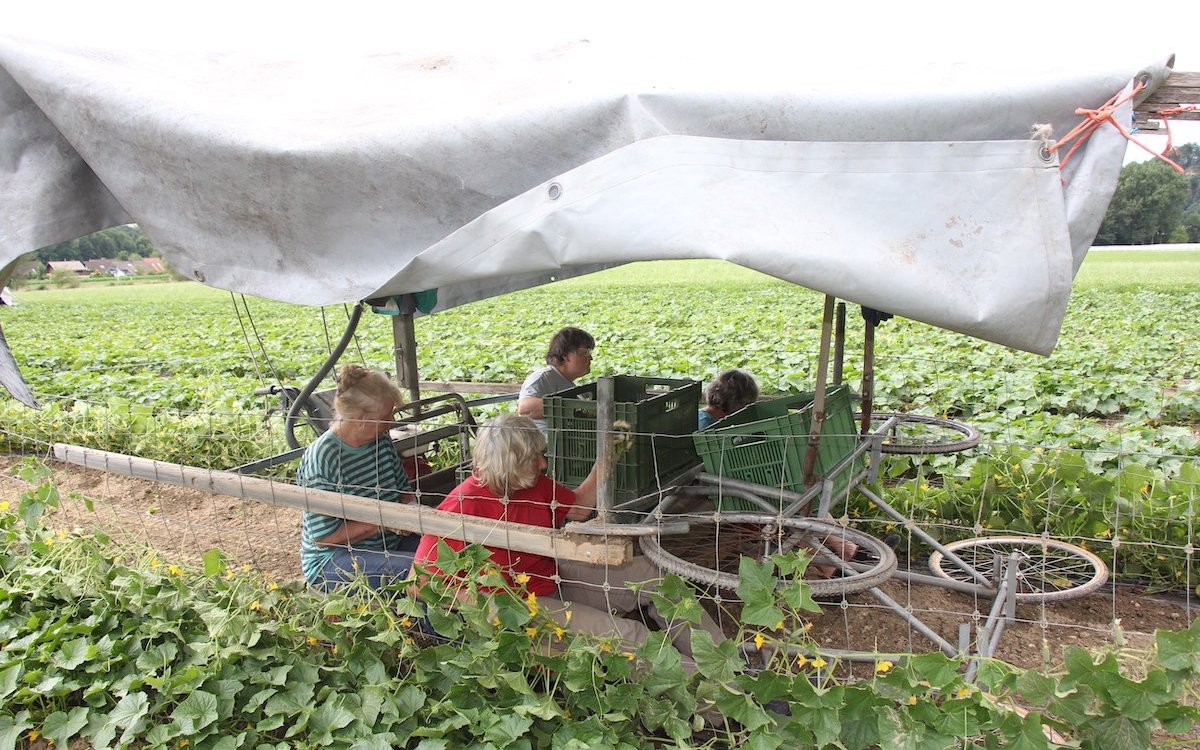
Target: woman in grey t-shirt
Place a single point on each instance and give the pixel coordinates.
(569, 357)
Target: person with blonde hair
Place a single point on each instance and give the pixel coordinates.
(508, 483)
(355, 456)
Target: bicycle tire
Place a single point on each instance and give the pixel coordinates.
(969, 436)
(688, 558)
(1061, 571)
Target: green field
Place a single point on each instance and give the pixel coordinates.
(169, 371)
(1095, 444)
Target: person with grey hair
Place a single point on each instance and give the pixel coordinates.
(569, 357)
(355, 456)
(732, 390)
(508, 483)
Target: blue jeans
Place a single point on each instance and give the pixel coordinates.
(377, 568)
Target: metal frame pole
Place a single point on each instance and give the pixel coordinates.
(839, 343)
(605, 414)
(404, 340)
(868, 376)
(818, 419)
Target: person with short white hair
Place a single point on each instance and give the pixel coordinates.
(508, 483)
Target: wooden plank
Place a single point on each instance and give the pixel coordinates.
(1179, 89)
(453, 386)
(413, 518)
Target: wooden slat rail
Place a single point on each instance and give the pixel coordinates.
(1179, 89)
(414, 518)
(454, 386)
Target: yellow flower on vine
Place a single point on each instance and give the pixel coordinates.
(272, 586)
(34, 734)
(532, 603)
(628, 655)
(884, 667)
(779, 625)
(962, 692)
(405, 622)
(531, 631)
(175, 570)
(558, 633)
(759, 640)
(911, 700)
(312, 641)
(255, 605)
(522, 578)
(606, 647)
(4, 505)
(229, 574)
(819, 663)
(801, 661)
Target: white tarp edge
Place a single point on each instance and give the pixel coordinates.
(987, 254)
(323, 179)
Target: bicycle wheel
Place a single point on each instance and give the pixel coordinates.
(1047, 570)
(917, 433)
(711, 551)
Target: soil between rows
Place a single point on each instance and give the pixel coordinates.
(181, 524)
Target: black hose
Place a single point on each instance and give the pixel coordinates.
(289, 424)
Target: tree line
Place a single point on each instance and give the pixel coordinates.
(122, 243)
(1154, 203)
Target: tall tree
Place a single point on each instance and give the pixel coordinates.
(1147, 207)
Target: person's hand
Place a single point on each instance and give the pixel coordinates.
(621, 438)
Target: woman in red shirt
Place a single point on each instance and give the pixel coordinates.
(508, 483)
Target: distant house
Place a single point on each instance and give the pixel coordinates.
(73, 266)
(150, 265)
(111, 267)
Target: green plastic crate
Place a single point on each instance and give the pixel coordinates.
(663, 414)
(765, 443)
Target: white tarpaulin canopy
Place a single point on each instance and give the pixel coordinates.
(322, 177)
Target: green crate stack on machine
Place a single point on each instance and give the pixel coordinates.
(662, 413)
(765, 443)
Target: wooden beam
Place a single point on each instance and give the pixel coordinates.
(454, 386)
(414, 518)
(1179, 90)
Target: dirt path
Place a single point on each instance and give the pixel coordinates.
(181, 524)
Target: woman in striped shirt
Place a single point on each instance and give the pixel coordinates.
(356, 457)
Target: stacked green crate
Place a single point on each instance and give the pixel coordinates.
(765, 443)
(663, 415)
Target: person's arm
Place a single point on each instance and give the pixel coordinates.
(531, 406)
(348, 533)
(585, 496)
